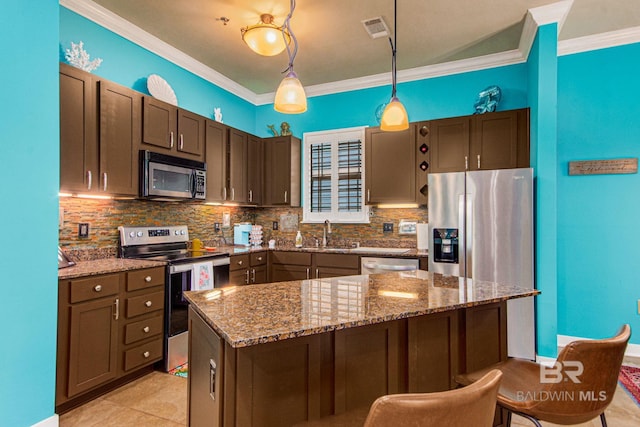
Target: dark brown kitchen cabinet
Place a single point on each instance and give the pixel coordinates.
(110, 327)
(390, 173)
(120, 132)
(282, 171)
(421, 133)
(248, 269)
(78, 131)
(333, 265)
(498, 140)
(237, 166)
(290, 266)
(255, 169)
(171, 130)
(217, 135)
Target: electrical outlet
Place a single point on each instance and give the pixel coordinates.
(275, 225)
(83, 230)
(387, 227)
(226, 220)
(216, 227)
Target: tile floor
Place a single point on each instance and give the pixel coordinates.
(160, 400)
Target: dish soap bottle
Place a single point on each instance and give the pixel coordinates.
(298, 240)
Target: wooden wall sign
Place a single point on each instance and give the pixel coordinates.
(601, 167)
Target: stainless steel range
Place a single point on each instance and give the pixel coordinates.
(186, 270)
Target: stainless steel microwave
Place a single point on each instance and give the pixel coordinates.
(168, 177)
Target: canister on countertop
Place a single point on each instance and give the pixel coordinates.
(196, 245)
(422, 235)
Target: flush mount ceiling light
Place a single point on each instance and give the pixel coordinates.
(394, 117)
(290, 96)
(265, 38)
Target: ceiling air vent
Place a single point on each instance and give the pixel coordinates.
(376, 27)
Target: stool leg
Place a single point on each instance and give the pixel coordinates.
(603, 420)
(532, 419)
(508, 424)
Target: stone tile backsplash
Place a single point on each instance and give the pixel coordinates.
(104, 217)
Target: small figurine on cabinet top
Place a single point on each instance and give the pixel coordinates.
(285, 129)
(273, 130)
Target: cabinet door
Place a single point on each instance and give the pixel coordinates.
(191, 133)
(239, 277)
(282, 171)
(215, 157)
(92, 344)
(120, 133)
(285, 272)
(323, 272)
(160, 125)
(78, 131)
(258, 274)
(255, 170)
(450, 144)
(238, 141)
(494, 141)
(389, 167)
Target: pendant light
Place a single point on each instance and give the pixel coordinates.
(265, 38)
(290, 97)
(394, 117)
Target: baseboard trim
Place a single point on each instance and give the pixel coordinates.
(52, 421)
(633, 350)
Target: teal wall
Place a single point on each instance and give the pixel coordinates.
(543, 71)
(29, 172)
(129, 64)
(447, 96)
(598, 228)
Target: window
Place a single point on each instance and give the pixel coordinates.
(334, 176)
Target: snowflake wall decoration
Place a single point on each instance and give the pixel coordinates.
(78, 57)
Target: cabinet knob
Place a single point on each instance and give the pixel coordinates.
(259, 258)
(97, 288)
(240, 262)
(148, 303)
(146, 329)
(424, 131)
(147, 279)
(146, 354)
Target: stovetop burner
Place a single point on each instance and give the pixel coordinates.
(164, 243)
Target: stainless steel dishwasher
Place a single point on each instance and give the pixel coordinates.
(372, 265)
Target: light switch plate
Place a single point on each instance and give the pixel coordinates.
(226, 220)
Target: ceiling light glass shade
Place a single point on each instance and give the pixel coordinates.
(394, 117)
(265, 38)
(290, 96)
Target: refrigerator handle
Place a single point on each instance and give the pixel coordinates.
(462, 246)
(468, 243)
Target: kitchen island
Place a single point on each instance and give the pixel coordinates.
(291, 352)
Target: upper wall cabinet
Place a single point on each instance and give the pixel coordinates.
(237, 166)
(217, 136)
(255, 169)
(171, 130)
(390, 162)
(282, 171)
(78, 131)
(497, 140)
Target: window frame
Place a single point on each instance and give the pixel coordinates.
(333, 136)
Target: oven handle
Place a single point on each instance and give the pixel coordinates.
(180, 268)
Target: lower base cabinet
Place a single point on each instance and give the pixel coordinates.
(340, 372)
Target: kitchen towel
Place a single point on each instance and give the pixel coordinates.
(202, 276)
(422, 234)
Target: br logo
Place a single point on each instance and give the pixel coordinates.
(561, 371)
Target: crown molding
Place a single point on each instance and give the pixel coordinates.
(543, 15)
(556, 12)
(135, 34)
(599, 41)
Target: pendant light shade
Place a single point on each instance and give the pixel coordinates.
(394, 117)
(290, 96)
(265, 38)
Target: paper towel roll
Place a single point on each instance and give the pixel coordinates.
(422, 234)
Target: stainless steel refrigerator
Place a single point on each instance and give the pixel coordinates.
(481, 227)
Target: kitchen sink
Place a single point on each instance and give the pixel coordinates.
(364, 249)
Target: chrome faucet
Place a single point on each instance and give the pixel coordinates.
(325, 233)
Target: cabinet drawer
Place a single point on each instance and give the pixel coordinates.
(295, 258)
(145, 304)
(142, 329)
(239, 262)
(143, 354)
(337, 260)
(259, 258)
(146, 278)
(94, 287)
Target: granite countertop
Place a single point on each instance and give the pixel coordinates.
(104, 266)
(255, 314)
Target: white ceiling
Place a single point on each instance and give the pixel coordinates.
(334, 46)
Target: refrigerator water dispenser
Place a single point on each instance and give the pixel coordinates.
(445, 245)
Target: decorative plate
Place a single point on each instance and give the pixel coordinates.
(160, 89)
